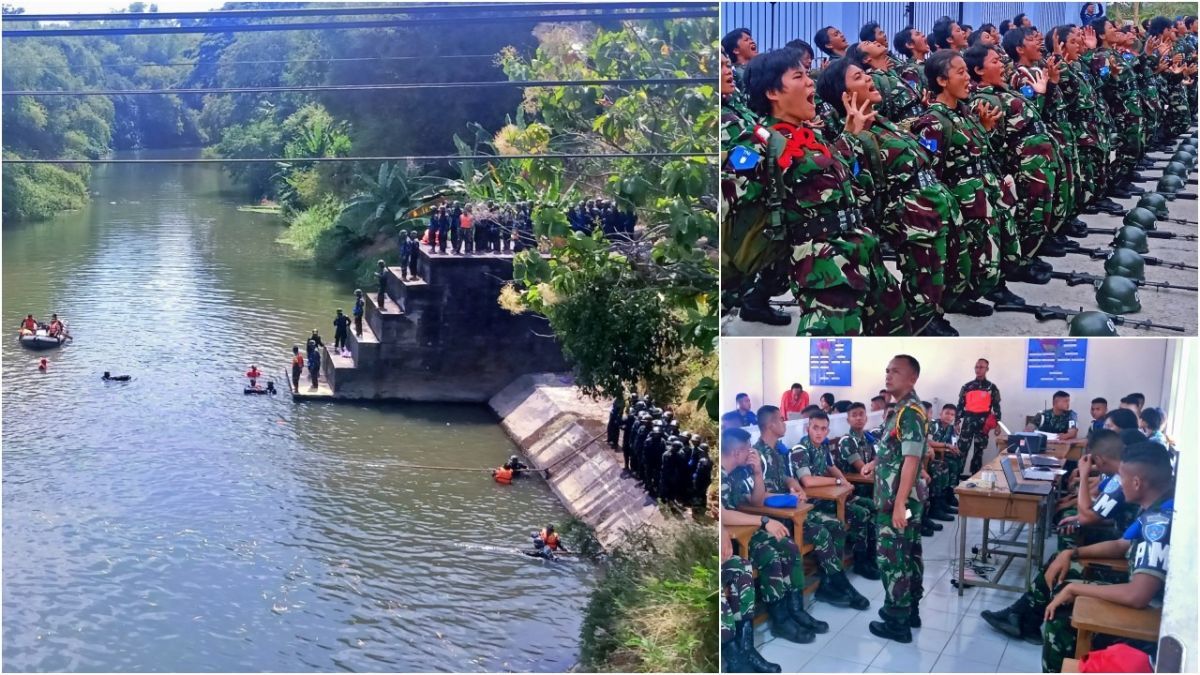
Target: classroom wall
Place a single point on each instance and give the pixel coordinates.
(1115, 367)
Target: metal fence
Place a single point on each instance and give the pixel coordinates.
(773, 24)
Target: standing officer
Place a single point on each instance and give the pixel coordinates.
(898, 503)
(978, 413)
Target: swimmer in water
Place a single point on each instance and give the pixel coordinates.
(115, 378)
(44, 364)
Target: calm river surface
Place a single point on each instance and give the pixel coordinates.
(173, 524)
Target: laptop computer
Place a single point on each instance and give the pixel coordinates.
(1032, 473)
(1033, 444)
(1010, 477)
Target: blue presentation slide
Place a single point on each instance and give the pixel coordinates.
(829, 362)
(1056, 363)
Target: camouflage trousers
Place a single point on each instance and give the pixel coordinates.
(917, 227)
(860, 519)
(1058, 636)
(1178, 113)
(973, 252)
(899, 559)
(1068, 184)
(1129, 150)
(1083, 536)
(1036, 176)
(943, 472)
(972, 436)
(1093, 173)
(779, 564)
(843, 288)
(737, 595)
(827, 534)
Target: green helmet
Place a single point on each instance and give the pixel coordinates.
(1118, 295)
(1177, 168)
(1140, 217)
(1187, 143)
(1132, 237)
(1155, 203)
(1169, 184)
(1125, 262)
(1092, 324)
(1185, 157)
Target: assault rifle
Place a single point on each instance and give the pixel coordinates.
(1049, 313)
(1151, 234)
(1103, 253)
(1079, 278)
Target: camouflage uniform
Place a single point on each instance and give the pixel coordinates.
(737, 595)
(1110, 505)
(899, 554)
(850, 448)
(1054, 423)
(902, 100)
(1149, 549)
(1119, 90)
(826, 534)
(811, 460)
(971, 434)
(959, 147)
(778, 561)
(1052, 108)
(1087, 114)
(913, 72)
(913, 211)
(837, 275)
(943, 470)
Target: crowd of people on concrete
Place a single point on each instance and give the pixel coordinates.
(494, 227)
(673, 466)
(967, 153)
(915, 462)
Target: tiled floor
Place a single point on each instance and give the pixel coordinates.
(953, 638)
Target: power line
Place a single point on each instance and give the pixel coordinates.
(372, 87)
(403, 158)
(350, 25)
(433, 57)
(345, 10)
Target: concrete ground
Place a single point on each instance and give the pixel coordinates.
(1169, 307)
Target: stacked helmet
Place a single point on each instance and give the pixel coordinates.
(1092, 324)
(1118, 295)
(1185, 156)
(1125, 262)
(1141, 217)
(1169, 184)
(1177, 168)
(1132, 237)
(1155, 203)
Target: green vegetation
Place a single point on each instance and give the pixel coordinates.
(655, 608)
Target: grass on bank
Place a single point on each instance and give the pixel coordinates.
(655, 607)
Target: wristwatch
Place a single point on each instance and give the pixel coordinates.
(839, 482)
(765, 520)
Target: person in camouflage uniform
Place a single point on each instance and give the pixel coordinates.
(826, 533)
(946, 465)
(738, 654)
(739, 47)
(911, 44)
(772, 550)
(900, 100)
(1100, 512)
(978, 413)
(1058, 419)
(958, 142)
(753, 268)
(909, 208)
(1119, 89)
(812, 466)
(837, 274)
(1043, 613)
(1026, 153)
(854, 453)
(898, 502)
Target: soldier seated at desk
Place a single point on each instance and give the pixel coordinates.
(1058, 419)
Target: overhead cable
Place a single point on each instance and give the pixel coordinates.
(402, 158)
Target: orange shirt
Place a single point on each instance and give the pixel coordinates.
(792, 404)
(465, 221)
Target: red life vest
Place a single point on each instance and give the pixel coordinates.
(550, 539)
(503, 476)
(978, 402)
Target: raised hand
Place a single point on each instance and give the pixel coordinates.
(988, 115)
(1089, 38)
(859, 117)
(1053, 72)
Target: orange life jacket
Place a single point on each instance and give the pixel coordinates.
(254, 373)
(550, 539)
(978, 402)
(298, 360)
(503, 476)
(29, 324)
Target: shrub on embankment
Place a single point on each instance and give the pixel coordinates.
(655, 607)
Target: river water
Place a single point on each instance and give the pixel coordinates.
(172, 523)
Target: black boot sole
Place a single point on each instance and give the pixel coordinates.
(1001, 626)
(880, 629)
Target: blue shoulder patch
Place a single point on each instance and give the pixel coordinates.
(1155, 531)
(1104, 71)
(856, 169)
(1028, 91)
(742, 158)
(1127, 56)
(929, 144)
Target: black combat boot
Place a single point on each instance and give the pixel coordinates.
(971, 308)
(951, 498)
(732, 660)
(795, 605)
(756, 301)
(914, 614)
(891, 628)
(857, 600)
(782, 625)
(752, 661)
(928, 527)
(864, 560)
(1008, 620)
(829, 591)
(937, 510)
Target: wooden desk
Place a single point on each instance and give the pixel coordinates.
(836, 493)
(1000, 504)
(1093, 615)
(795, 514)
(859, 479)
(1068, 451)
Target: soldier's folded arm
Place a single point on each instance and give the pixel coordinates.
(1143, 586)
